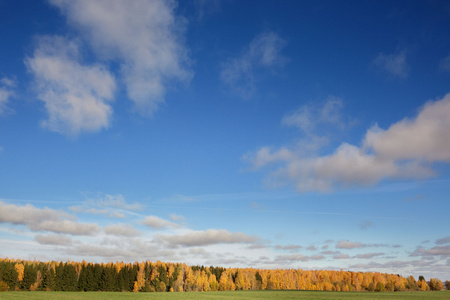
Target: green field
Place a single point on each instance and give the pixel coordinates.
(226, 295)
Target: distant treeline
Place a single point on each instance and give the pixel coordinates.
(176, 277)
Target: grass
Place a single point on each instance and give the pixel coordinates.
(235, 295)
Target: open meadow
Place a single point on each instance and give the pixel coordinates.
(233, 295)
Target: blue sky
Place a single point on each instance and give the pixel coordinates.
(269, 134)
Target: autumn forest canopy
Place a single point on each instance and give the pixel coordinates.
(178, 277)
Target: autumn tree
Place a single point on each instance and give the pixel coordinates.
(436, 284)
(140, 279)
(20, 270)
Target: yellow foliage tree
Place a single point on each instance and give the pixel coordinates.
(140, 279)
(19, 268)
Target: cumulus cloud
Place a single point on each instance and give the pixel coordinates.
(264, 52)
(37, 219)
(7, 91)
(426, 137)
(121, 230)
(393, 64)
(407, 149)
(157, 222)
(77, 97)
(145, 37)
(53, 239)
(208, 237)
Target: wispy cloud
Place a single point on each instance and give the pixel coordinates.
(177, 218)
(7, 91)
(144, 37)
(114, 206)
(393, 64)
(116, 201)
(76, 96)
(407, 150)
(310, 116)
(263, 53)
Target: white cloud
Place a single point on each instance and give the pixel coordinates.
(76, 96)
(121, 230)
(53, 239)
(7, 87)
(262, 53)
(157, 222)
(46, 219)
(145, 37)
(407, 149)
(426, 137)
(310, 116)
(393, 64)
(208, 237)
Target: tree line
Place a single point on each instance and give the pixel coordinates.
(158, 276)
